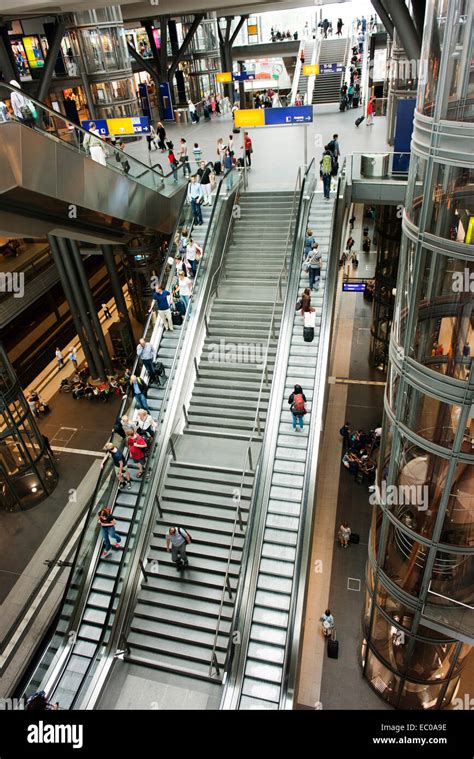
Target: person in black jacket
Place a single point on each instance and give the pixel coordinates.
(297, 401)
(139, 390)
(204, 174)
(161, 132)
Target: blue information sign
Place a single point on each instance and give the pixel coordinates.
(330, 68)
(302, 114)
(353, 287)
(242, 76)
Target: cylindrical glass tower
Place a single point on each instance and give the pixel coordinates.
(419, 613)
(99, 38)
(27, 472)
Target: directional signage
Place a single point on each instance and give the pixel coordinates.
(353, 287)
(228, 76)
(127, 125)
(331, 68)
(302, 114)
(256, 117)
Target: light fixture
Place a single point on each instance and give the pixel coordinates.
(170, 261)
(34, 489)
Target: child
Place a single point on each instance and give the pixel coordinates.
(197, 153)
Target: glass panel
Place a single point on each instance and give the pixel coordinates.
(431, 55)
(389, 641)
(453, 578)
(404, 560)
(458, 97)
(450, 202)
(429, 417)
(420, 695)
(405, 293)
(458, 528)
(382, 680)
(416, 189)
(431, 661)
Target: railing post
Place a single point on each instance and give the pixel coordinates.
(173, 451)
(196, 367)
(259, 429)
(215, 664)
(249, 450)
(229, 589)
(143, 570)
(186, 418)
(158, 505)
(273, 329)
(266, 374)
(206, 325)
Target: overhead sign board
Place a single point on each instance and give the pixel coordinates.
(228, 76)
(331, 68)
(128, 125)
(224, 77)
(353, 287)
(310, 69)
(258, 117)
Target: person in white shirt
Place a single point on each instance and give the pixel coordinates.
(185, 288)
(192, 252)
(192, 111)
(94, 143)
(344, 534)
(146, 425)
(59, 358)
(23, 108)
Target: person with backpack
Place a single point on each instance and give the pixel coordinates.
(325, 172)
(38, 702)
(119, 462)
(140, 388)
(23, 108)
(136, 448)
(177, 538)
(297, 401)
(107, 527)
(350, 244)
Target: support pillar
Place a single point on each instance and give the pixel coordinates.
(71, 299)
(50, 62)
(119, 297)
(7, 60)
(71, 273)
(92, 310)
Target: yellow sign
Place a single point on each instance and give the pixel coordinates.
(120, 126)
(310, 69)
(470, 231)
(224, 76)
(252, 29)
(251, 117)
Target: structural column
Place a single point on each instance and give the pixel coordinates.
(109, 260)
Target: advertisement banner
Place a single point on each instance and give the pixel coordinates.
(33, 52)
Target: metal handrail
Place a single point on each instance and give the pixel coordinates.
(256, 427)
(119, 154)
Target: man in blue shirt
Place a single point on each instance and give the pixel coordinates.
(161, 299)
(196, 197)
(147, 353)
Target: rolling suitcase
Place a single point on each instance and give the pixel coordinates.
(359, 120)
(236, 130)
(354, 537)
(333, 646)
(308, 334)
(176, 318)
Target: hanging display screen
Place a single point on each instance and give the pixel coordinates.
(33, 52)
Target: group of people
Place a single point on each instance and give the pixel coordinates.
(277, 36)
(267, 99)
(359, 447)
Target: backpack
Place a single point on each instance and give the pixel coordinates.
(26, 112)
(297, 407)
(326, 166)
(184, 533)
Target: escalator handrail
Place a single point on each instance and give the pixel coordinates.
(119, 154)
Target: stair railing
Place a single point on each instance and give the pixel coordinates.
(249, 466)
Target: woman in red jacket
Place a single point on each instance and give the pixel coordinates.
(136, 448)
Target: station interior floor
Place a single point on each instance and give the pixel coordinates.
(29, 537)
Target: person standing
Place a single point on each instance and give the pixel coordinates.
(297, 401)
(309, 322)
(107, 527)
(350, 244)
(94, 143)
(197, 153)
(136, 447)
(327, 622)
(314, 263)
(176, 541)
(140, 388)
(228, 169)
(119, 462)
(59, 358)
(248, 149)
(106, 311)
(204, 172)
(161, 132)
(173, 164)
(184, 158)
(146, 425)
(73, 357)
(345, 433)
(340, 24)
(195, 196)
(192, 112)
(325, 172)
(350, 95)
(193, 251)
(147, 354)
(344, 534)
(161, 298)
(370, 112)
(185, 287)
(23, 108)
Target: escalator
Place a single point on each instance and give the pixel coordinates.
(267, 619)
(49, 184)
(95, 586)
